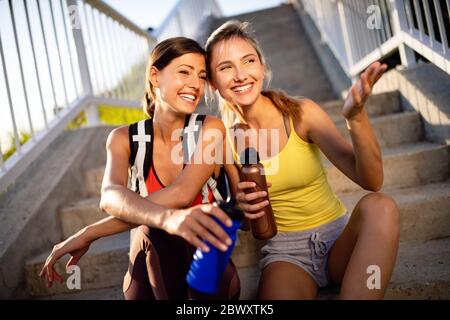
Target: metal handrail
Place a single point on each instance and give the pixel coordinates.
(99, 61)
(343, 26)
(65, 86)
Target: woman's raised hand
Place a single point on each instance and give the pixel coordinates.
(252, 211)
(196, 225)
(76, 246)
(362, 89)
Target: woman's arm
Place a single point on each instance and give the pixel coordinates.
(361, 161)
(207, 157)
(117, 200)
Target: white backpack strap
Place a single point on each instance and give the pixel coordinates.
(205, 194)
(212, 183)
(142, 138)
(190, 133)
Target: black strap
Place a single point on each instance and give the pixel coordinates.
(132, 130)
(149, 148)
(199, 120)
(134, 145)
(222, 184)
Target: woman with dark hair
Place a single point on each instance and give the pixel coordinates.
(318, 242)
(164, 243)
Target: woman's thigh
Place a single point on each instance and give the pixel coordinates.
(282, 280)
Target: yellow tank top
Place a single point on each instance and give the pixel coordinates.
(300, 195)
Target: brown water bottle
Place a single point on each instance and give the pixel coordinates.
(252, 170)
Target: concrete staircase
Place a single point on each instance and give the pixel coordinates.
(288, 52)
(416, 176)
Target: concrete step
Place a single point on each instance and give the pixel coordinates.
(247, 249)
(419, 164)
(377, 105)
(112, 293)
(104, 251)
(103, 266)
(422, 271)
(392, 129)
(93, 181)
(79, 214)
(424, 210)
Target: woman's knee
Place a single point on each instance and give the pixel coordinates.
(379, 209)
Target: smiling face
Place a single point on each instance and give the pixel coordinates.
(180, 85)
(237, 71)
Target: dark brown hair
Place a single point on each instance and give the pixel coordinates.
(236, 29)
(163, 53)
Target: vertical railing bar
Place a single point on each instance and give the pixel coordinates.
(350, 23)
(8, 93)
(354, 30)
(138, 57)
(360, 22)
(380, 35)
(59, 53)
(83, 64)
(389, 22)
(345, 33)
(68, 48)
(105, 53)
(46, 54)
(383, 32)
(105, 50)
(22, 77)
(118, 33)
(361, 28)
(429, 23)
(114, 68)
(120, 62)
(448, 7)
(386, 22)
(441, 26)
(41, 98)
(123, 58)
(128, 47)
(96, 42)
(419, 19)
(96, 81)
(409, 16)
(109, 26)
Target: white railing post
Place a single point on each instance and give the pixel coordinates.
(342, 20)
(91, 110)
(400, 25)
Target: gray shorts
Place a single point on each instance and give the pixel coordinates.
(307, 249)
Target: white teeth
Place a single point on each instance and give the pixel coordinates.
(243, 88)
(188, 97)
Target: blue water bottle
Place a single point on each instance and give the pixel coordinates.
(207, 268)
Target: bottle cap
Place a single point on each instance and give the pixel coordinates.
(249, 156)
(231, 209)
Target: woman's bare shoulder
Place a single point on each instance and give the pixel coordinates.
(118, 137)
(215, 123)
